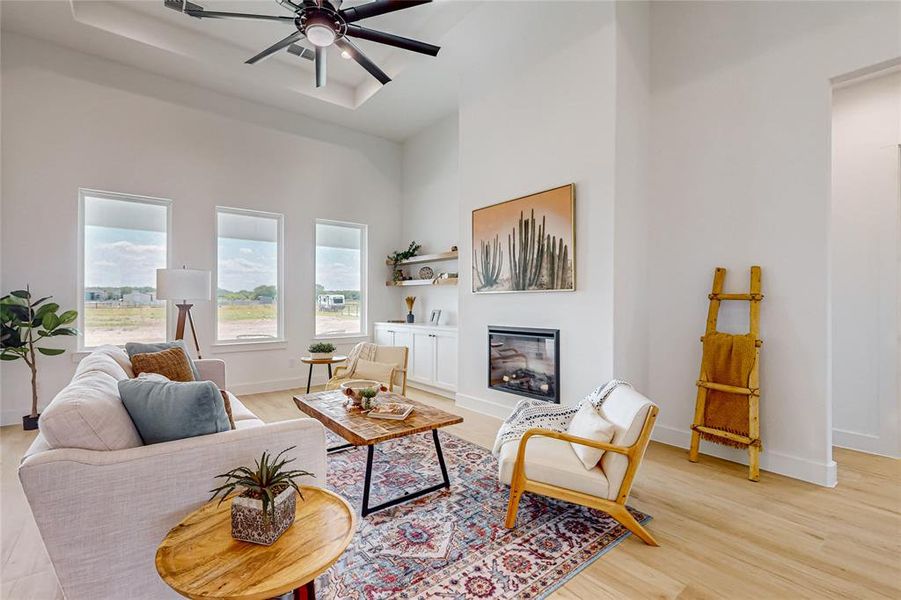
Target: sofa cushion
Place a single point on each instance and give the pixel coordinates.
(164, 411)
(172, 364)
(239, 411)
(100, 363)
(119, 355)
(88, 413)
(552, 461)
(143, 348)
(587, 423)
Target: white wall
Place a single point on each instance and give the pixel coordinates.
(739, 176)
(866, 214)
(530, 122)
(71, 120)
(431, 213)
(632, 289)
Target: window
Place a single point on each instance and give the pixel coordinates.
(249, 276)
(340, 279)
(124, 240)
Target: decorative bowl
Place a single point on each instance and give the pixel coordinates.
(426, 273)
(355, 386)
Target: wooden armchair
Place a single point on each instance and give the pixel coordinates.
(543, 462)
(393, 355)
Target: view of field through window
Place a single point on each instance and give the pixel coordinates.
(247, 291)
(124, 245)
(339, 256)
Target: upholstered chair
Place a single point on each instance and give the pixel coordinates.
(544, 462)
(389, 355)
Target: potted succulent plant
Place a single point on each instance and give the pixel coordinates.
(321, 350)
(24, 322)
(358, 390)
(264, 508)
(367, 396)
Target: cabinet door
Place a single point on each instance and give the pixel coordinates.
(403, 337)
(423, 357)
(446, 360)
(384, 336)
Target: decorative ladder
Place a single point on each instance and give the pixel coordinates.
(752, 440)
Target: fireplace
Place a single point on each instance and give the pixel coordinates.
(525, 362)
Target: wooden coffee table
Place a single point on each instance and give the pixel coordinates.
(360, 430)
(199, 558)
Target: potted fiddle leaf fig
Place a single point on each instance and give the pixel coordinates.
(24, 323)
(265, 505)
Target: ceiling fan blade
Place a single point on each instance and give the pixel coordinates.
(320, 66)
(301, 51)
(213, 14)
(379, 7)
(357, 54)
(392, 40)
(279, 45)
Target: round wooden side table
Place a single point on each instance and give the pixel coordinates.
(199, 559)
(309, 360)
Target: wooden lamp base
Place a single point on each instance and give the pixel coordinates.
(184, 314)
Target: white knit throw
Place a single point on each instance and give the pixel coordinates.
(536, 413)
(363, 350)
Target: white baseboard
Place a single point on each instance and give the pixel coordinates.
(820, 473)
(430, 389)
(483, 406)
(861, 442)
(275, 385)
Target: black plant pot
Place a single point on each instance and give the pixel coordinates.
(410, 317)
(30, 423)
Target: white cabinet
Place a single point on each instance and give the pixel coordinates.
(432, 359)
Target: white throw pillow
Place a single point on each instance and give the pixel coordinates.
(587, 423)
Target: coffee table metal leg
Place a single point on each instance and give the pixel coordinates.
(310, 377)
(367, 482)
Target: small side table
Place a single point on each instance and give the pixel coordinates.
(309, 360)
(199, 559)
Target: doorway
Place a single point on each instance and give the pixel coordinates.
(865, 245)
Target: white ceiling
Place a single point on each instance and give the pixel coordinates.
(211, 53)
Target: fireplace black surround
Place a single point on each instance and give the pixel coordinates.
(525, 361)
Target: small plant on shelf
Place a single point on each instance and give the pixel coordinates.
(321, 350)
(265, 505)
(401, 255)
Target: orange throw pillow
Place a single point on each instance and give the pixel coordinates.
(228, 408)
(172, 363)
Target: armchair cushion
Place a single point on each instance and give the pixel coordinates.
(382, 372)
(553, 462)
(587, 423)
(627, 409)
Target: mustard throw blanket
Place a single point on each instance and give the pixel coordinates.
(728, 359)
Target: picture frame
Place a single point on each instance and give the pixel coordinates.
(435, 317)
(544, 225)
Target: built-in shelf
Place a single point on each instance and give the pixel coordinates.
(425, 258)
(408, 282)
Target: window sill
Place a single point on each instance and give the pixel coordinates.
(225, 347)
(342, 336)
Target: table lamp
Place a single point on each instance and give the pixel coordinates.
(183, 284)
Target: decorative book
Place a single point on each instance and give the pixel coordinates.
(397, 411)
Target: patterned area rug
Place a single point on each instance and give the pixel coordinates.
(452, 544)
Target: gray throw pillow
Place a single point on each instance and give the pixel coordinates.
(144, 348)
(163, 411)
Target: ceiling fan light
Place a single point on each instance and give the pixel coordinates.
(320, 35)
(345, 54)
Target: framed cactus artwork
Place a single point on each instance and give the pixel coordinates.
(526, 244)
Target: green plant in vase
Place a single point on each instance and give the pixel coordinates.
(266, 501)
(401, 255)
(321, 350)
(24, 322)
(368, 396)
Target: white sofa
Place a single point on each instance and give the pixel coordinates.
(103, 501)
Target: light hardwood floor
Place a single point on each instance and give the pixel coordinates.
(720, 535)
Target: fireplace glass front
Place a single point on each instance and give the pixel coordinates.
(525, 362)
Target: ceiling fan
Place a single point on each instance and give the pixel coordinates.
(324, 23)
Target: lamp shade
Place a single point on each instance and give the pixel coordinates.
(183, 284)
